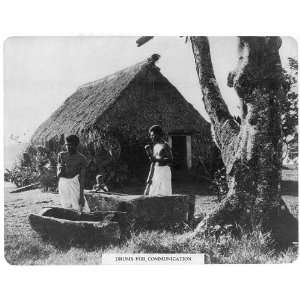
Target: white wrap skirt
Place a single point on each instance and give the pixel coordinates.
(69, 191)
(161, 181)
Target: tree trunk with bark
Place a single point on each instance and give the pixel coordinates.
(251, 151)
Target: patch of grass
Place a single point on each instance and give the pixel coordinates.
(21, 251)
(253, 248)
(34, 251)
(73, 256)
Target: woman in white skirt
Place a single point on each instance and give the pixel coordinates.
(159, 179)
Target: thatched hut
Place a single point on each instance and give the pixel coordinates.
(112, 116)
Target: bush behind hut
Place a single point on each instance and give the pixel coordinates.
(36, 164)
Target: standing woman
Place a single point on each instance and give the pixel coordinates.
(159, 179)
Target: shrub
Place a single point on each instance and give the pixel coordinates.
(23, 175)
(36, 164)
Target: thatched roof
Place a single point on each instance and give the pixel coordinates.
(90, 103)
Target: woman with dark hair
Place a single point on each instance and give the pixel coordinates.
(71, 171)
(159, 179)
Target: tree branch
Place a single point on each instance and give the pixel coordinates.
(225, 127)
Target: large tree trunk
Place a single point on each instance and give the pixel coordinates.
(251, 151)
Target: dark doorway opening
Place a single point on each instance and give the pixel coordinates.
(179, 152)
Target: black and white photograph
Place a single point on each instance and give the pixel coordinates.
(150, 150)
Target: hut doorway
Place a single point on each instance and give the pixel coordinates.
(179, 152)
(182, 151)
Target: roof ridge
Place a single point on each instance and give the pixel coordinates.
(148, 61)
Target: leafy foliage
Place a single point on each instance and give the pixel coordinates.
(289, 105)
(36, 164)
(23, 175)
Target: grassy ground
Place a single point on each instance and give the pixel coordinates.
(24, 246)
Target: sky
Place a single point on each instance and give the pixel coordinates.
(41, 72)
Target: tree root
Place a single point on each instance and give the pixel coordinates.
(237, 215)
